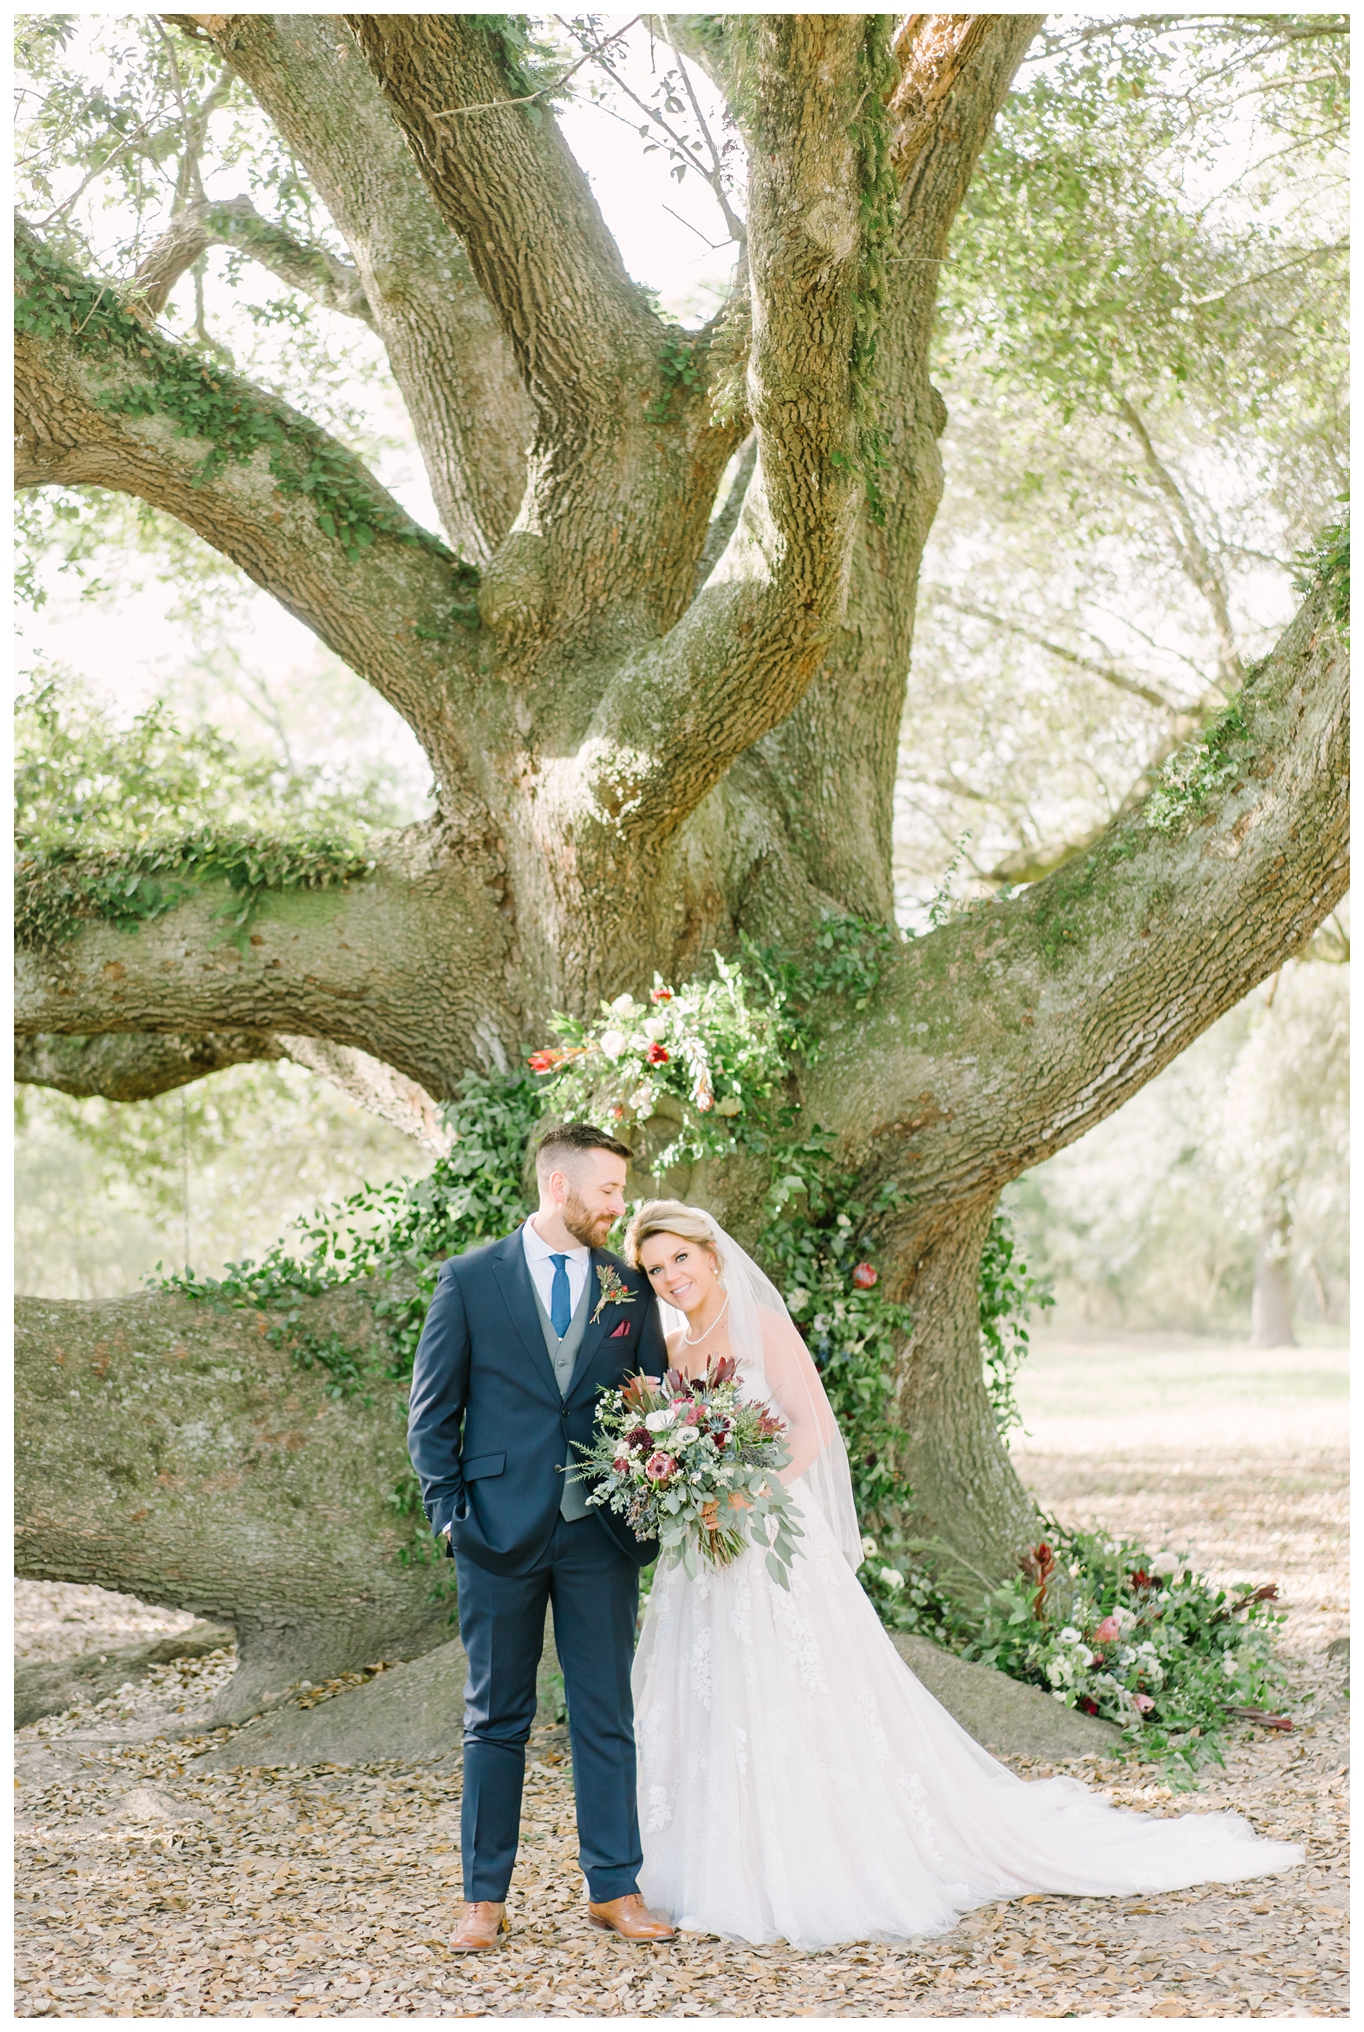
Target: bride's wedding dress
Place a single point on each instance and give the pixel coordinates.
(797, 1782)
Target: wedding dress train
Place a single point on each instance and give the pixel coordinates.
(797, 1782)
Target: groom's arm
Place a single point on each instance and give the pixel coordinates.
(440, 1388)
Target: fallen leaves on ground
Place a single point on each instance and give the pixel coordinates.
(147, 1888)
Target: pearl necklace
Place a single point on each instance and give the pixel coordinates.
(687, 1340)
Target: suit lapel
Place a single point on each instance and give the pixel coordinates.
(518, 1295)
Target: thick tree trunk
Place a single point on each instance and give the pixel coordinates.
(166, 1449)
(967, 1498)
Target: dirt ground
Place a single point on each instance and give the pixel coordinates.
(149, 1889)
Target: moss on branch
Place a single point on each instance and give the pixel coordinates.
(53, 300)
(58, 889)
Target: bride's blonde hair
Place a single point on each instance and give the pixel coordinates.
(670, 1217)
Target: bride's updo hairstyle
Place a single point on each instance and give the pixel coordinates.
(670, 1217)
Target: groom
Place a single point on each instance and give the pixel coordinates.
(520, 1337)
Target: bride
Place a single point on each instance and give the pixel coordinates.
(795, 1779)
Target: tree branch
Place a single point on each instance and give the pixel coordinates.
(675, 716)
(101, 402)
(626, 454)
(136, 1066)
(139, 1065)
(407, 966)
(1103, 671)
(833, 761)
(235, 222)
(509, 186)
(1193, 553)
(1076, 993)
(470, 413)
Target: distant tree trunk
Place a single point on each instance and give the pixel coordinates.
(1271, 1305)
(1323, 1292)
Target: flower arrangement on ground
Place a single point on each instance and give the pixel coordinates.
(696, 1466)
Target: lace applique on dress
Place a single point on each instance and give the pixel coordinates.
(660, 1811)
(741, 1605)
(700, 1667)
(798, 1639)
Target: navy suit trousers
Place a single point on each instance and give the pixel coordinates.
(594, 1591)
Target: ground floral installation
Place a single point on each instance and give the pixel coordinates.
(703, 1070)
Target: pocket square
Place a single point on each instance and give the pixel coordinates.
(619, 1333)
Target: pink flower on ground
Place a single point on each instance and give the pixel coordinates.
(865, 1275)
(1142, 1702)
(659, 1466)
(1108, 1631)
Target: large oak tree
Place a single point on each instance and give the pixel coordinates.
(654, 730)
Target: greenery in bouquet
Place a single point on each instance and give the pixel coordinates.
(696, 1466)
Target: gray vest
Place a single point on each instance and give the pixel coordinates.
(564, 1355)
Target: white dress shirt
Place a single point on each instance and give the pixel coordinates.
(538, 1255)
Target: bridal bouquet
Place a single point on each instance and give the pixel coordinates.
(668, 1457)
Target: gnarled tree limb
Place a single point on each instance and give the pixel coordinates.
(235, 222)
(405, 966)
(508, 185)
(138, 1065)
(1085, 987)
(470, 413)
(626, 457)
(388, 615)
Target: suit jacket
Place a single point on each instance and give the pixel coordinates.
(487, 1429)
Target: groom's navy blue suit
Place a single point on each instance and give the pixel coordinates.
(489, 1431)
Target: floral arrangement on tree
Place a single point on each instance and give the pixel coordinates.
(707, 1048)
(672, 1457)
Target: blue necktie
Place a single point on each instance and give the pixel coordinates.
(560, 1305)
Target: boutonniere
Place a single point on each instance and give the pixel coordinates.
(613, 1292)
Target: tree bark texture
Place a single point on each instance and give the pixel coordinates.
(167, 1450)
(654, 734)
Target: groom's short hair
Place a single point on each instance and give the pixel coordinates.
(561, 1146)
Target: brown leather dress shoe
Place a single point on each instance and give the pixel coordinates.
(480, 1928)
(631, 1918)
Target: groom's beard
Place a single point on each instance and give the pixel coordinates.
(589, 1228)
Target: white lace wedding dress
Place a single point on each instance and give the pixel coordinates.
(797, 1782)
